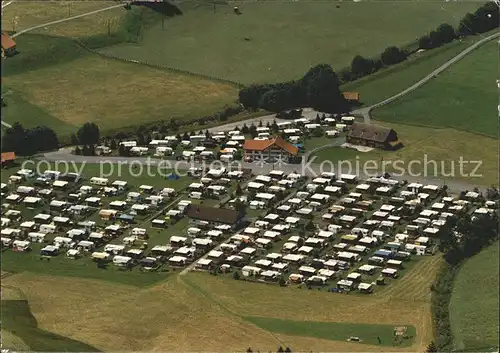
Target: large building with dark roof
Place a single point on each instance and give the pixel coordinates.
(215, 215)
(373, 136)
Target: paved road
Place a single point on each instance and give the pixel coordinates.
(67, 19)
(365, 112)
(308, 168)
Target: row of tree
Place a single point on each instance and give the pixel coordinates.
(27, 142)
(319, 89)
(484, 19)
(474, 234)
(361, 66)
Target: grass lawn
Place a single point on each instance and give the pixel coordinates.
(338, 154)
(445, 146)
(110, 316)
(474, 302)
(112, 94)
(18, 319)
(463, 97)
(30, 115)
(387, 82)
(13, 342)
(84, 267)
(284, 39)
(333, 331)
(25, 14)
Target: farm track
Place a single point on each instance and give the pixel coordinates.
(365, 112)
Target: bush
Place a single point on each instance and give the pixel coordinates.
(236, 275)
(393, 55)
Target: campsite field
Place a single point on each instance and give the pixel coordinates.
(474, 313)
(113, 94)
(444, 146)
(469, 103)
(208, 303)
(86, 268)
(276, 40)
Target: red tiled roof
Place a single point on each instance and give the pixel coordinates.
(8, 156)
(352, 96)
(257, 145)
(7, 42)
(262, 145)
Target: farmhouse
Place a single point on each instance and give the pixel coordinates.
(8, 45)
(273, 148)
(373, 136)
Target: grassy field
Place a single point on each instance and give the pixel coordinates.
(13, 342)
(284, 39)
(18, 320)
(470, 102)
(186, 313)
(81, 268)
(85, 267)
(331, 330)
(85, 87)
(427, 144)
(25, 14)
(474, 313)
(30, 115)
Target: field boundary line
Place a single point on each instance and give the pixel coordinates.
(157, 66)
(195, 288)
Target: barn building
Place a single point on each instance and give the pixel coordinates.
(373, 136)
